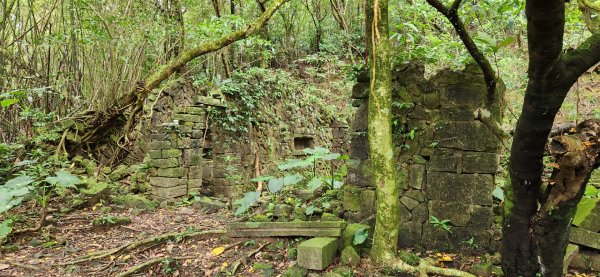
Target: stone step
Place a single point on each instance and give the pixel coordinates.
(317, 253)
(584, 237)
(286, 229)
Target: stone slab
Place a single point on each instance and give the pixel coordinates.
(584, 237)
(480, 162)
(172, 192)
(165, 182)
(586, 260)
(286, 229)
(465, 135)
(466, 188)
(317, 253)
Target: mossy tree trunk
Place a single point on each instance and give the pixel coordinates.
(387, 224)
(535, 239)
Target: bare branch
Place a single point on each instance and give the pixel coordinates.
(452, 15)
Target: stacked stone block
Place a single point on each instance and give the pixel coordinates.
(176, 153)
(446, 158)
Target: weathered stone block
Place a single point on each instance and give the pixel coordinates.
(587, 260)
(156, 145)
(359, 147)
(409, 234)
(416, 176)
(367, 202)
(171, 153)
(188, 143)
(465, 135)
(351, 198)
(432, 100)
(190, 118)
(165, 182)
(173, 172)
(191, 110)
(196, 172)
(462, 188)
(285, 229)
(585, 238)
(317, 253)
(416, 195)
(165, 163)
(461, 214)
(457, 113)
(442, 163)
(360, 122)
(480, 162)
(409, 203)
(464, 94)
(155, 154)
(192, 157)
(172, 192)
(420, 214)
(350, 256)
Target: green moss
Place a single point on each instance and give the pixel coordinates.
(409, 257)
(134, 201)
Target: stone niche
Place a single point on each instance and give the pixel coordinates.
(446, 158)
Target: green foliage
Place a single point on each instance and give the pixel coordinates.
(246, 202)
(5, 229)
(277, 186)
(443, 224)
(14, 191)
(360, 236)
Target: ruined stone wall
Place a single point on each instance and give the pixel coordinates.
(447, 159)
(191, 152)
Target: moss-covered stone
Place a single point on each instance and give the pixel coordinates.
(350, 231)
(409, 257)
(111, 220)
(350, 256)
(317, 253)
(351, 198)
(119, 173)
(165, 163)
(295, 271)
(171, 153)
(134, 201)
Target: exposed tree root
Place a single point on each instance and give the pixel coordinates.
(425, 269)
(24, 266)
(139, 267)
(237, 263)
(132, 245)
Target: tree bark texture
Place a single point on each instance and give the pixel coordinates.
(534, 241)
(383, 169)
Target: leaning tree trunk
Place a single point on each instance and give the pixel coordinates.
(93, 128)
(383, 169)
(534, 241)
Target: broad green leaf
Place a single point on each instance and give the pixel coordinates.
(360, 236)
(507, 41)
(294, 163)
(591, 191)
(310, 210)
(5, 229)
(337, 184)
(331, 156)
(584, 208)
(64, 179)
(317, 151)
(19, 181)
(246, 202)
(498, 193)
(487, 39)
(314, 184)
(276, 185)
(7, 102)
(326, 205)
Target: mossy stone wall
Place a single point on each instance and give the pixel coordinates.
(446, 158)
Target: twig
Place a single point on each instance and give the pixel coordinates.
(237, 263)
(136, 268)
(132, 245)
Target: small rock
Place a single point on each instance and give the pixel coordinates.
(178, 219)
(295, 271)
(185, 211)
(350, 257)
(35, 242)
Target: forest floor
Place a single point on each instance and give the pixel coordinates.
(55, 249)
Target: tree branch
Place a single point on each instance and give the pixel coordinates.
(580, 60)
(486, 67)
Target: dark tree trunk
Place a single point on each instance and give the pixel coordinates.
(535, 241)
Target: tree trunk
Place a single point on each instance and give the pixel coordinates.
(535, 241)
(383, 169)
